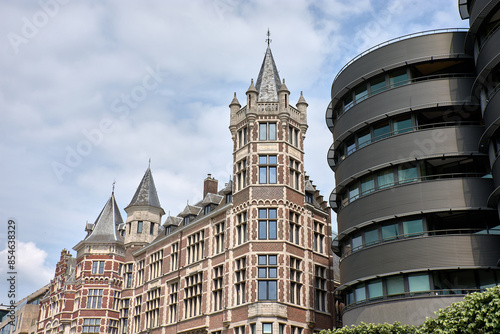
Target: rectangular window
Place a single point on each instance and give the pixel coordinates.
(377, 84)
(219, 237)
(385, 178)
(239, 330)
(320, 288)
(364, 138)
(240, 280)
(294, 174)
(419, 282)
(174, 257)
(267, 131)
(193, 292)
(153, 308)
(241, 174)
(412, 228)
(402, 124)
(319, 237)
(267, 169)
(116, 300)
(242, 137)
(94, 298)
(217, 286)
(293, 136)
(294, 227)
(268, 224)
(172, 301)
(357, 243)
(195, 247)
(113, 327)
(267, 328)
(128, 275)
(375, 289)
(395, 285)
(151, 228)
(407, 174)
(295, 330)
(140, 272)
(124, 311)
(348, 101)
(137, 313)
(371, 237)
(390, 232)
(398, 78)
(268, 274)
(353, 192)
(91, 325)
(241, 228)
(381, 130)
(360, 293)
(295, 280)
(367, 184)
(360, 93)
(139, 227)
(155, 264)
(97, 267)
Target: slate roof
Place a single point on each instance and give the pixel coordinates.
(268, 81)
(146, 194)
(106, 225)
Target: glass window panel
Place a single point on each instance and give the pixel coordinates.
(371, 237)
(364, 138)
(398, 78)
(357, 243)
(360, 93)
(413, 227)
(418, 282)
(262, 131)
(381, 130)
(385, 179)
(465, 280)
(353, 192)
(486, 279)
(272, 175)
(402, 124)
(262, 229)
(377, 84)
(273, 272)
(367, 184)
(262, 259)
(350, 298)
(262, 290)
(407, 174)
(395, 285)
(351, 146)
(267, 328)
(262, 272)
(272, 213)
(360, 293)
(273, 259)
(262, 213)
(390, 232)
(375, 289)
(263, 175)
(272, 131)
(272, 229)
(273, 160)
(262, 159)
(273, 291)
(348, 101)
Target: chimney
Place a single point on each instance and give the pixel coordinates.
(210, 185)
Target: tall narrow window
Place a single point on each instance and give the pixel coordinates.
(91, 325)
(240, 280)
(97, 267)
(172, 301)
(94, 298)
(320, 287)
(294, 174)
(241, 174)
(155, 264)
(196, 247)
(295, 280)
(268, 224)
(174, 256)
(319, 236)
(398, 78)
(241, 228)
(153, 308)
(151, 228)
(294, 227)
(217, 286)
(268, 274)
(242, 137)
(219, 237)
(140, 272)
(137, 313)
(192, 295)
(293, 136)
(139, 227)
(267, 169)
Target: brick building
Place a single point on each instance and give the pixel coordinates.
(251, 257)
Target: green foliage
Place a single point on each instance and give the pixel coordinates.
(396, 328)
(478, 313)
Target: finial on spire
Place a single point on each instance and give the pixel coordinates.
(114, 181)
(149, 166)
(268, 40)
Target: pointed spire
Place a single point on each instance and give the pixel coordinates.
(105, 226)
(268, 81)
(302, 100)
(235, 101)
(252, 87)
(146, 194)
(284, 88)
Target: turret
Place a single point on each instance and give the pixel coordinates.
(234, 106)
(283, 96)
(302, 107)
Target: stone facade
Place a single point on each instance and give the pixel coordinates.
(253, 257)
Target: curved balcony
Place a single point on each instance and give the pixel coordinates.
(422, 144)
(491, 119)
(421, 254)
(412, 96)
(415, 198)
(495, 194)
(478, 10)
(487, 59)
(428, 45)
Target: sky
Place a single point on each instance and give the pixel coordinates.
(90, 91)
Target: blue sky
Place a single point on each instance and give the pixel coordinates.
(90, 91)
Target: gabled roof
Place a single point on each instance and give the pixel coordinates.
(190, 210)
(268, 81)
(106, 225)
(146, 194)
(212, 199)
(172, 221)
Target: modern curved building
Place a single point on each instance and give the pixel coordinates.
(417, 179)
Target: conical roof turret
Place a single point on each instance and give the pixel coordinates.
(146, 194)
(106, 224)
(268, 81)
(302, 100)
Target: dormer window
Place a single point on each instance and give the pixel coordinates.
(309, 198)
(229, 198)
(207, 209)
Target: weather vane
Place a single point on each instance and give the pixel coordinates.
(114, 181)
(268, 40)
